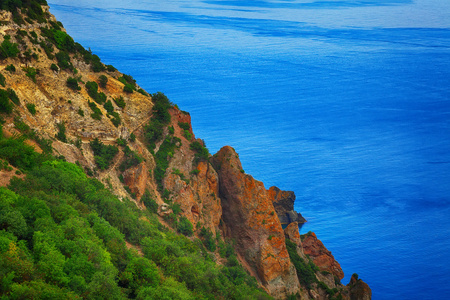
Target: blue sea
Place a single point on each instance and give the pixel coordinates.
(344, 102)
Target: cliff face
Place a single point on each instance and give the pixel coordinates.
(212, 193)
(249, 217)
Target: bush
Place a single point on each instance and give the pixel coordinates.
(61, 135)
(201, 152)
(54, 67)
(97, 113)
(131, 159)
(128, 88)
(8, 49)
(10, 68)
(103, 154)
(31, 108)
(149, 202)
(30, 72)
(120, 102)
(13, 96)
(185, 226)
(102, 81)
(2, 80)
(73, 84)
(208, 239)
(63, 59)
(5, 104)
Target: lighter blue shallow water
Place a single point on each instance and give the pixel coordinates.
(347, 103)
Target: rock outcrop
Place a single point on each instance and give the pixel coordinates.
(249, 217)
(283, 201)
(359, 290)
(320, 255)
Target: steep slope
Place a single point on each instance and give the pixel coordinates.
(64, 101)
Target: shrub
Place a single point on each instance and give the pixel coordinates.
(115, 118)
(110, 68)
(8, 49)
(108, 106)
(5, 104)
(97, 113)
(120, 102)
(2, 80)
(103, 154)
(13, 96)
(31, 108)
(63, 59)
(102, 81)
(208, 239)
(73, 84)
(305, 271)
(131, 159)
(149, 202)
(61, 135)
(201, 152)
(54, 67)
(128, 88)
(185, 226)
(80, 112)
(132, 137)
(10, 68)
(184, 125)
(31, 72)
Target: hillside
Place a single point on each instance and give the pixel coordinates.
(107, 193)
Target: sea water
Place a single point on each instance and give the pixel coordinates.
(346, 103)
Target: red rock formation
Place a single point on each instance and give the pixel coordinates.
(249, 217)
(320, 255)
(198, 195)
(283, 201)
(136, 179)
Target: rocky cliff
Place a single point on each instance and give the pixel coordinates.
(65, 101)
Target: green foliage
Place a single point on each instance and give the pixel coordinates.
(64, 62)
(141, 91)
(31, 108)
(102, 81)
(115, 118)
(120, 102)
(208, 239)
(61, 135)
(5, 104)
(7, 48)
(110, 68)
(108, 106)
(128, 88)
(103, 154)
(10, 68)
(73, 84)
(132, 137)
(2, 80)
(131, 159)
(185, 226)
(92, 89)
(201, 152)
(30, 72)
(305, 271)
(162, 158)
(96, 112)
(54, 67)
(81, 112)
(149, 202)
(184, 125)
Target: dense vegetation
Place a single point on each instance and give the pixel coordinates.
(63, 236)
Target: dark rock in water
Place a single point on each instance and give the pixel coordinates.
(283, 202)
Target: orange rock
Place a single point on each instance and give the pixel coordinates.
(249, 218)
(321, 256)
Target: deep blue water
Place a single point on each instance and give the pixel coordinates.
(347, 103)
